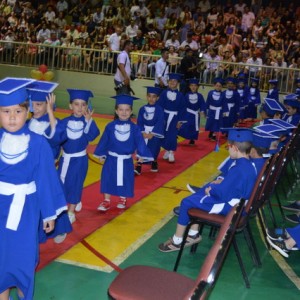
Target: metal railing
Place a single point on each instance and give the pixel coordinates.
(143, 65)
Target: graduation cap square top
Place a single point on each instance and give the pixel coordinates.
(153, 90)
(263, 139)
(175, 76)
(80, 94)
(272, 106)
(283, 124)
(239, 134)
(39, 90)
(124, 99)
(194, 81)
(273, 81)
(13, 90)
(271, 129)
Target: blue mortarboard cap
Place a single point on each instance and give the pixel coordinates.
(273, 81)
(80, 94)
(39, 90)
(13, 90)
(194, 81)
(254, 79)
(219, 80)
(271, 107)
(290, 97)
(124, 99)
(263, 139)
(241, 79)
(231, 79)
(297, 80)
(239, 134)
(271, 129)
(292, 102)
(153, 90)
(281, 123)
(176, 76)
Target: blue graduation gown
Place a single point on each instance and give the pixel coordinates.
(194, 104)
(295, 234)
(216, 106)
(173, 104)
(28, 167)
(232, 99)
(151, 119)
(294, 119)
(76, 134)
(273, 94)
(120, 140)
(238, 183)
(243, 92)
(253, 100)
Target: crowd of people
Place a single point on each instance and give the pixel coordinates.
(257, 32)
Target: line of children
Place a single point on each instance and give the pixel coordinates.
(195, 107)
(77, 131)
(120, 140)
(173, 104)
(28, 186)
(151, 122)
(44, 123)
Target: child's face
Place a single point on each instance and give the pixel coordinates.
(151, 98)
(218, 86)
(173, 83)
(124, 112)
(254, 84)
(290, 110)
(263, 115)
(193, 87)
(12, 118)
(39, 108)
(233, 151)
(79, 107)
(230, 85)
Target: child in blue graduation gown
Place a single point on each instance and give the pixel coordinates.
(44, 123)
(120, 140)
(218, 198)
(216, 107)
(253, 99)
(292, 105)
(77, 131)
(29, 190)
(273, 92)
(195, 105)
(151, 122)
(232, 99)
(173, 104)
(243, 91)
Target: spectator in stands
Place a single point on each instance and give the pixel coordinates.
(173, 9)
(87, 54)
(254, 71)
(162, 70)
(72, 32)
(32, 50)
(173, 41)
(44, 33)
(248, 19)
(98, 16)
(212, 66)
(187, 26)
(139, 40)
(280, 69)
(49, 15)
(188, 42)
(225, 47)
(60, 23)
(173, 60)
(171, 26)
(205, 7)
(240, 6)
(62, 6)
(161, 21)
(212, 16)
(131, 29)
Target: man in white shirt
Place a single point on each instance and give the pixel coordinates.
(162, 70)
(188, 42)
(122, 76)
(280, 69)
(173, 41)
(62, 6)
(240, 6)
(255, 63)
(43, 34)
(248, 19)
(131, 29)
(212, 67)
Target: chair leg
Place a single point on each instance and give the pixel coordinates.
(262, 222)
(242, 267)
(248, 234)
(182, 246)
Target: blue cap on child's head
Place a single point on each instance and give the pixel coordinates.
(271, 107)
(175, 76)
(218, 80)
(153, 90)
(240, 135)
(263, 139)
(80, 94)
(254, 79)
(273, 81)
(13, 90)
(231, 79)
(39, 90)
(297, 80)
(281, 123)
(271, 129)
(194, 81)
(292, 102)
(124, 99)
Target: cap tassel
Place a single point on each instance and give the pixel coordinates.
(90, 107)
(30, 104)
(217, 148)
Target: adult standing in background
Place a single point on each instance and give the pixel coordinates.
(162, 70)
(122, 76)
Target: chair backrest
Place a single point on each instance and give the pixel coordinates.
(215, 258)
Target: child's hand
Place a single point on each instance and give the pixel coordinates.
(50, 102)
(207, 190)
(148, 136)
(217, 181)
(88, 114)
(49, 226)
(179, 124)
(140, 160)
(101, 160)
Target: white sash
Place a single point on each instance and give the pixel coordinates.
(67, 157)
(217, 110)
(120, 165)
(148, 129)
(196, 113)
(16, 208)
(171, 115)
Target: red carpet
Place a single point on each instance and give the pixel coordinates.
(89, 219)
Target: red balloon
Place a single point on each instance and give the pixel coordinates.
(43, 68)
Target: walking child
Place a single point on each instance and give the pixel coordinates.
(253, 99)
(120, 140)
(173, 104)
(151, 122)
(243, 91)
(78, 130)
(273, 92)
(195, 107)
(29, 190)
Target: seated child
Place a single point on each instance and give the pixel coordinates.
(120, 140)
(292, 105)
(218, 198)
(151, 122)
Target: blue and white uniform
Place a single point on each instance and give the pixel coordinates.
(232, 99)
(253, 100)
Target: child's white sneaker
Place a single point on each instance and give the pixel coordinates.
(60, 238)
(166, 155)
(72, 217)
(104, 206)
(78, 206)
(122, 203)
(171, 157)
